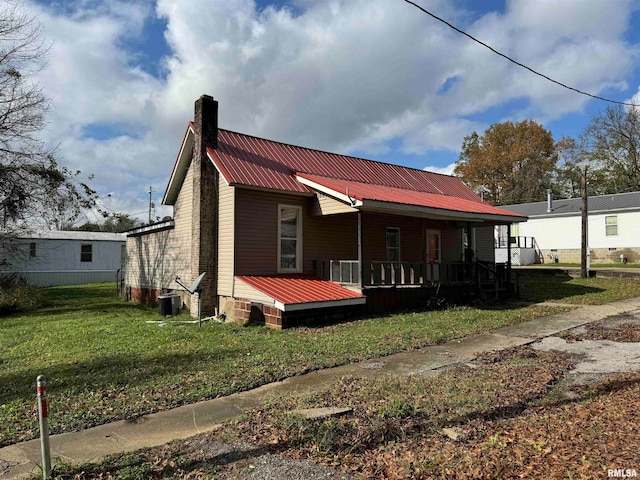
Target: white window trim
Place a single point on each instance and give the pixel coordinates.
(298, 267)
(616, 225)
(386, 245)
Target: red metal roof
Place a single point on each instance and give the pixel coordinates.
(246, 160)
(362, 191)
(299, 288)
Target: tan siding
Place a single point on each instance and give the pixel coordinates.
(324, 238)
(329, 206)
(154, 260)
(485, 244)
(226, 214)
(242, 290)
(181, 235)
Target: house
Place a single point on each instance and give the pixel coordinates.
(63, 258)
(553, 232)
(283, 232)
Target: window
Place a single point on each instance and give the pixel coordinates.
(611, 225)
(393, 244)
(86, 253)
(289, 238)
(32, 249)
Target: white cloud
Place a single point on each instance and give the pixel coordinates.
(448, 170)
(340, 75)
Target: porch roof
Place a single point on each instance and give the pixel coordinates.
(302, 292)
(359, 194)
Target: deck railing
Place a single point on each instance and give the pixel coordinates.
(417, 274)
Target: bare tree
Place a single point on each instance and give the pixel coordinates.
(611, 141)
(31, 180)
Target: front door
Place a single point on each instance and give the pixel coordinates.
(433, 255)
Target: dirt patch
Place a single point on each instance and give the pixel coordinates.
(602, 349)
(6, 466)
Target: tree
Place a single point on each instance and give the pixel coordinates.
(611, 142)
(509, 163)
(120, 222)
(567, 176)
(115, 222)
(31, 180)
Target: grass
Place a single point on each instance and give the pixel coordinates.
(581, 291)
(104, 361)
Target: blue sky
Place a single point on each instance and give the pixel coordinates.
(373, 78)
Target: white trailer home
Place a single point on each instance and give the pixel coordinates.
(553, 231)
(63, 258)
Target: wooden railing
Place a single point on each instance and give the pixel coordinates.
(398, 273)
(480, 274)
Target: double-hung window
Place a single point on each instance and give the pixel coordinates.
(393, 244)
(86, 253)
(611, 225)
(289, 238)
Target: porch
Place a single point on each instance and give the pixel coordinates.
(391, 284)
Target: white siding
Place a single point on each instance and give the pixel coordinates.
(566, 232)
(57, 262)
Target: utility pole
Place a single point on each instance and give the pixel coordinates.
(150, 203)
(584, 251)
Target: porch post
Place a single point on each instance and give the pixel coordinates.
(509, 253)
(361, 270)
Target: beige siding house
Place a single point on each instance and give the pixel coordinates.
(286, 234)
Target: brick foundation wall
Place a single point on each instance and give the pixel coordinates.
(144, 295)
(246, 311)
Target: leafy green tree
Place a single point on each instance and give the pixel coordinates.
(510, 162)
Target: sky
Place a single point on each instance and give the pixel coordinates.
(372, 78)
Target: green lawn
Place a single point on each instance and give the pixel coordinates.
(105, 361)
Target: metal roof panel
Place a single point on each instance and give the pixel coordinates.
(299, 288)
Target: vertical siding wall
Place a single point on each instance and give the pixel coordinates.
(485, 244)
(324, 238)
(412, 238)
(154, 260)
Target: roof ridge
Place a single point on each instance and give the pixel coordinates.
(395, 165)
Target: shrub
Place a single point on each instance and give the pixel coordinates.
(18, 296)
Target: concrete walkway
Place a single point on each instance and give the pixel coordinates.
(93, 444)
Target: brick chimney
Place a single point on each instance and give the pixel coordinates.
(204, 227)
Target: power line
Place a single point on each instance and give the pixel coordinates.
(516, 62)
